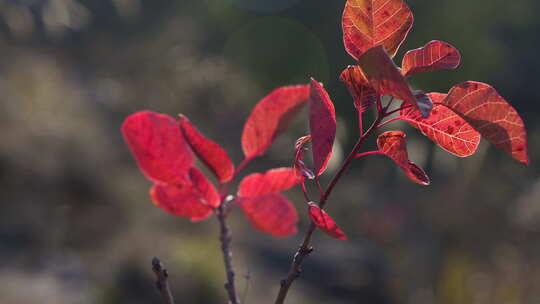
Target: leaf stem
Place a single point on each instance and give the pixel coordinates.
(162, 278)
(388, 122)
(367, 153)
(225, 239)
(305, 248)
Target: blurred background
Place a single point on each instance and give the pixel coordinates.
(76, 223)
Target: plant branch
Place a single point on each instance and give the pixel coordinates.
(305, 248)
(162, 284)
(388, 122)
(225, 239)
(367, 153)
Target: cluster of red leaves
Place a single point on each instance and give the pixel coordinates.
(164, 149)
(373, 30)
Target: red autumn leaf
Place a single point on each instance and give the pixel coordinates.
(491, 115)
(369, 23)
(158, 146)
(322, 124)
(444, 127)
(384, 76)
(271, 213)
(300, 167)
(271, 117)
(363, 95)
(201, 185)
(209, 152)
(274, 180)
(195, 200)
(435, 55)
(322, 220)
(393, 145)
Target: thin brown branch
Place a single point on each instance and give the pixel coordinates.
(225, 239)
(162, 283)
(305, 248)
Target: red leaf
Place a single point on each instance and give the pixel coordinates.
(206, 191)
(384, 76)
(300, 167)
(274, 180)
(369, 23)
(158, 146)
(393, 145)
(363, 95)
(444, 127)
(194, 200)
(322, 220)
(435, 55)
(209, 152)
(271, 213)
(491, 115)
(271, 117)
(322, 124)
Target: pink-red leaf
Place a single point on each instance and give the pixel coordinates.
(393, 145)
(271, 213)
(435, 55)
(270, 117)
(302, 171)
(274, 180)
(322, 124)
(209, 152)
(384, 76)
(444, 127)
(195, 200)
(491, 115)
(158, 146)
(322, 220)
(363, 95)
(369, 23)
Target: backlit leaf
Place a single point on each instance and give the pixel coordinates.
(195, 200)
(444, 127)
(302, 171)
(322, 125)
(384, 76)
(156, 142)
(322, 220)
(435, 55)
(271, 213)
(363, 95)
(491, 115)
(270, 117)
(369, 23)
(209, 152)
(393, 145)
(274, 180)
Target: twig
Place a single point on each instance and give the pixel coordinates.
(305, 248)
(225, 239)
(162, 284)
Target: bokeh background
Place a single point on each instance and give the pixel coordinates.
(76, 223)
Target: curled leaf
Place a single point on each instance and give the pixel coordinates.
(271, 117)
(274, 180)
(300, 167)
(444, 127)
(491, 115)
(386, 79)
(369, 23)
(271, 213)
(393, 145)
(322, 125)
(321, 219)
(209, 152)
(435, 55)
(158, 146)
(363, 95)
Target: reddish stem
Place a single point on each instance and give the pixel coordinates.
(388, 122)
(305, 248)
(367, 153)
